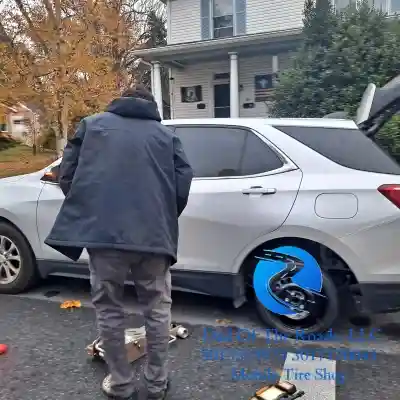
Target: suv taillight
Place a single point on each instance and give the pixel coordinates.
(392, 193)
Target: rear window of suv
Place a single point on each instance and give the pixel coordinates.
(347, 147)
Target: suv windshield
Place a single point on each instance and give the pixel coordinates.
(347, 147)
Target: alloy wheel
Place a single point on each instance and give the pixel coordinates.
(10, 261)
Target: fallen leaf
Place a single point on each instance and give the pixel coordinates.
(71, 304)
(223, 321)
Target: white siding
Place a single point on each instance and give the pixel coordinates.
(262, 16)
(248, 68)
(169, 8)
(273, 15)
(184, 21)
(191, 76)
(203, 75)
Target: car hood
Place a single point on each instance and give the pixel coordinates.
(12, 179)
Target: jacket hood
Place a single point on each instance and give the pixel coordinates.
(131, 107)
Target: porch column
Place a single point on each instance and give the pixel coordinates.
(234, 85)
(275, 64)
(152, 79)
(157, 86)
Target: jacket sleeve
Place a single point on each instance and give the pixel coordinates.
(183, 175)
(70, 158)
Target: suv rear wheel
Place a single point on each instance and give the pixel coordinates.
(301, 325)
(17, 264)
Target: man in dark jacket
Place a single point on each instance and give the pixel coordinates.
(126, 180)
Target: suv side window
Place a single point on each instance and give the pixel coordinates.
(212, 151)
(258, 157)
(349, 148)
(225, 151)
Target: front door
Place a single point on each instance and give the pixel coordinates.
(222, 101)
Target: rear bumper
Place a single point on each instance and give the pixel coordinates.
(380, 297)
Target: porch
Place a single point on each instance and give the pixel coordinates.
(221, 62)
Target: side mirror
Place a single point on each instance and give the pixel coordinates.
(52, 175)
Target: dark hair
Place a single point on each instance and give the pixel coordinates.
(138, 92)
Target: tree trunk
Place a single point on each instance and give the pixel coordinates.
(61, 142)
(62, 129)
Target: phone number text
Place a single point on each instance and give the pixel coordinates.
(226, 354)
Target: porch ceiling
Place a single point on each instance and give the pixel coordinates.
(247, 45)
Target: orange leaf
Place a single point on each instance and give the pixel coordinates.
(223, 321)
(71, 304)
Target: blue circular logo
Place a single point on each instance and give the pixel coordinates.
(277, 266)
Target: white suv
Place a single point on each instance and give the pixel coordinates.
(318, 184)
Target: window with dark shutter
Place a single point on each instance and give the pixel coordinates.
(223, 18)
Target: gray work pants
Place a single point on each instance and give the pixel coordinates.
(151, 275)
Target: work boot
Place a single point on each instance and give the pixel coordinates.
(106, 388)
(143, 394)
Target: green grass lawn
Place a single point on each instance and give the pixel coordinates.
(18, 160)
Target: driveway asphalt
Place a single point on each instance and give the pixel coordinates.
(47, 360)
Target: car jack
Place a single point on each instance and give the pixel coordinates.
(135, 342)
(279, 391)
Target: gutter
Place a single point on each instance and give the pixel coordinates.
(144, 62)
(10, 108)
(25, 107)
(258, 38)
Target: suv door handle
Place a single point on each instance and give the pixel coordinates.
(258, 190)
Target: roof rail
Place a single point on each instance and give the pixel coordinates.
(338, 115)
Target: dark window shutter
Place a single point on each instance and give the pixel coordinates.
(205, 20)
(240, 10)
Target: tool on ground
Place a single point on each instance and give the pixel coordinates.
(279, 391)
(135, 342)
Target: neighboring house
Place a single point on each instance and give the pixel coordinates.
(19, 121)
(224, 56)
(4, 110)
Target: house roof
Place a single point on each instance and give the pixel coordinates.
(244, 44)
(8, 105)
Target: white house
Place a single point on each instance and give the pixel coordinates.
(20, 122)
(225, 55)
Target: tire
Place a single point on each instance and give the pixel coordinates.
(27, 275)
(290, 329)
